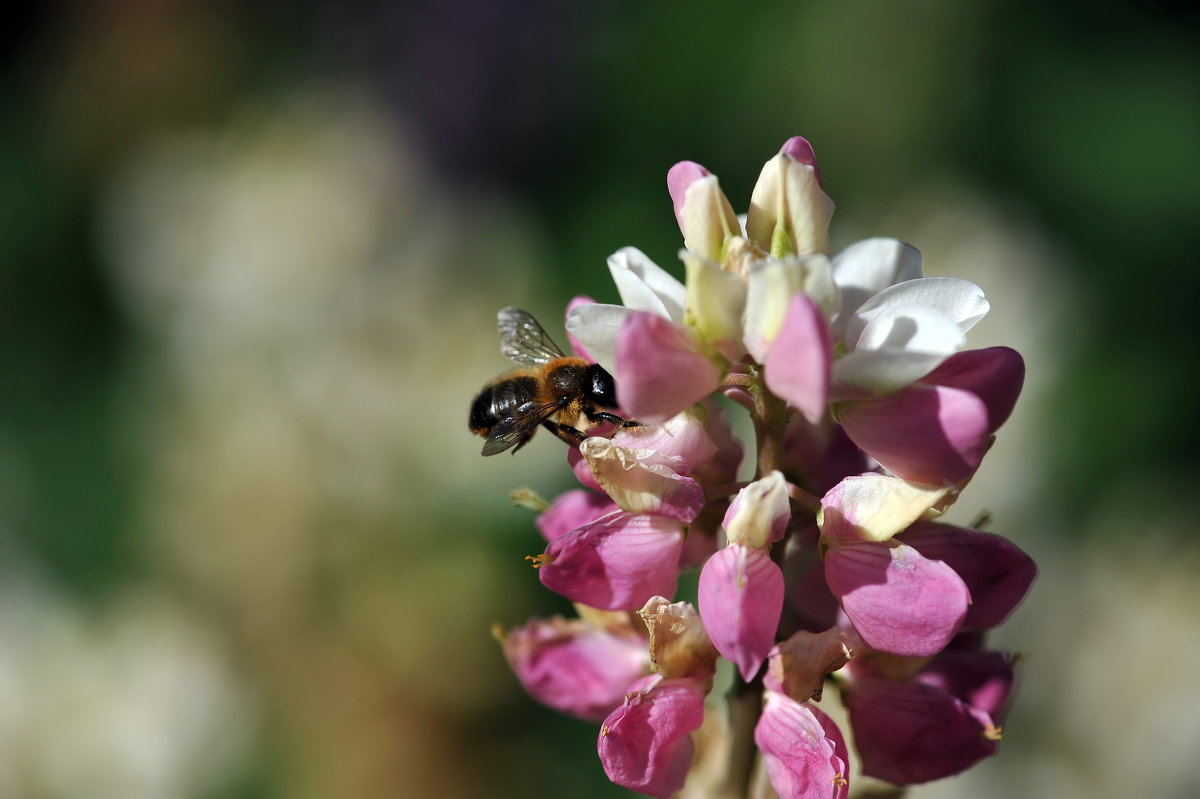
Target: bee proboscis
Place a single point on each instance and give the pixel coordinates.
(553, 390)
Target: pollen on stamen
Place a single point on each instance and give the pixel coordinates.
(839, 781)
(538, 561)
(604, 731)
(993, 733)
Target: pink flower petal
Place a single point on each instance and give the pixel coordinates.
(701, 437)
(798, 147)
(797, 365)
(908, 732)
(899, 601)
(679, 178)
(803, 750)
(573, 509)
(741, 597)
(922, 433)
(574, 667)
(661, 369)
(616, 562)
(982, 679)
(576, 344)
(646, 745)
(995, 375)
(582, 469)
(996, 572)
(643, 480)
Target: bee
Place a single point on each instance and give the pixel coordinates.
(560, 393)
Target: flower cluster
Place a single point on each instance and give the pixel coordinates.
(828, 567)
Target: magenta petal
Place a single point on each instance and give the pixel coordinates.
(573, 509)
(741, 597)
(798, 147)
(899, 601)
(797, 365)
(908, 732)
(582, 469)
(982, 679)
(997, 573)
(803, 750)
(928, 434)
(660, 368)
(995, 375)
(615, 563)
(574, 667)
(679, 178)
(646, 745)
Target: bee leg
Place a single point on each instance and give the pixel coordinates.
(565, 432)
(610, 417)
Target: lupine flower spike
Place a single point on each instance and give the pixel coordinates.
(827, 568)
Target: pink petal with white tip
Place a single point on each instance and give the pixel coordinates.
(574, 667)
(899, 601)
(759, 514)
(798, 362)
(573, 509)
(645, 745)
(929, 434)
(741, 598)
(661, 368)
(615, 563)
(909, 733)
(803, 750)
(995, 570)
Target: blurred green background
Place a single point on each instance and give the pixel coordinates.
(250, 257)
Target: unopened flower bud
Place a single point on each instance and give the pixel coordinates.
(789, 212)
(705, 216)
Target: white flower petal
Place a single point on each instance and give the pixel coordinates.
(867, 267)
(884, 371)
(646, 286)
(596, 327)
(960, 300)
(913, 328)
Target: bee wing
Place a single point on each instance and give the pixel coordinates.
(523, 340)
(517, 429)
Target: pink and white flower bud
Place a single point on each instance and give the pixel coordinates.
(645, 745)
(679, 644)
(789, 213)
(705, 216)
(898, 601)
(571, 510)
(803, 750)
(797, 666)
(575, 667)
(616, 562)
(798, 363)
(662, 368)
(643, 480)
(910, 732)
(995, 570)
(759, 514)
(741, 599)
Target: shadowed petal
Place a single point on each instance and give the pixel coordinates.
(797, 365)
(995, 375)
(661, 368)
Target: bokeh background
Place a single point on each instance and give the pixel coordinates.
(250, 257)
